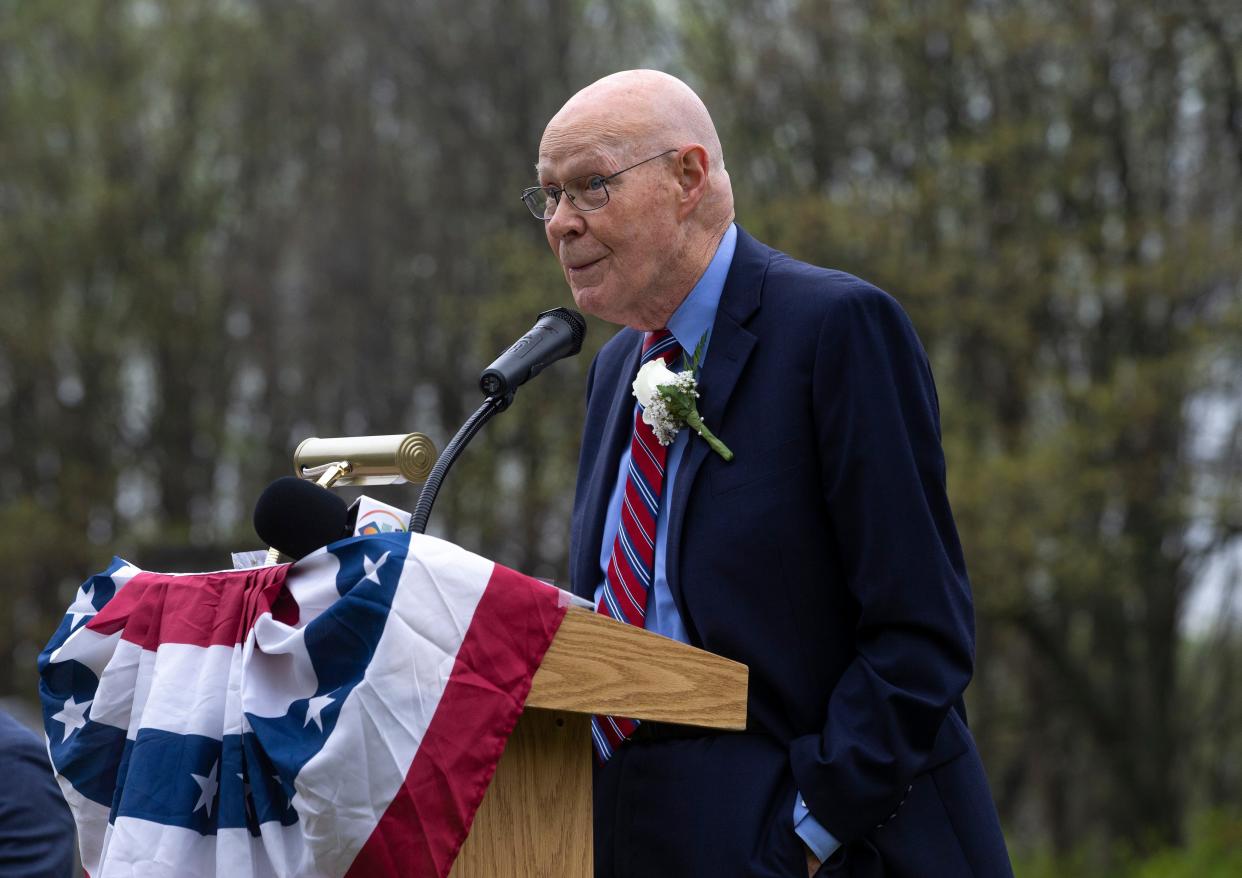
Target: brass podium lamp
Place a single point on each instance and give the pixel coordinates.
(347, 461)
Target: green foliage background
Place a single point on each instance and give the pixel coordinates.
(226, 226)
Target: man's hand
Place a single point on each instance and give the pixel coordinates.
(812, 863)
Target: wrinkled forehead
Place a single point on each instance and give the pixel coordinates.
(565, 160)
(580, 142)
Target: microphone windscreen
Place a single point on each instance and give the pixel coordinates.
(297, 517)
(577, 325)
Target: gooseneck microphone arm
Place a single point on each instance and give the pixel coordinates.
(493, 405)
(556, 334)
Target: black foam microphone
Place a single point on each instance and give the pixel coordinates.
(557, 334)
(296, 517)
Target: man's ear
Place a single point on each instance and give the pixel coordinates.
(693, 172)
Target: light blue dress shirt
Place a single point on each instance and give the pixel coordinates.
(690, 322)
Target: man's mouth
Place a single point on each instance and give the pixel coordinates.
(582, 266)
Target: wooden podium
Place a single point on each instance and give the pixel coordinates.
(536, 817)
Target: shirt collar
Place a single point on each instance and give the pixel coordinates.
(694, 316)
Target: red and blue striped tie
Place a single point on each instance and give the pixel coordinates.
(631, 567)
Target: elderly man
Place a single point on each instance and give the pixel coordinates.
(823, 554)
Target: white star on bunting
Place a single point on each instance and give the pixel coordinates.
(315, 707)
(207, 787)
(372, 567)
(73, 715)
(82, 606)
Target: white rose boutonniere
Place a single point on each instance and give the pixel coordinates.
(668, 401)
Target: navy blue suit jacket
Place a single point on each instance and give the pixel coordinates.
(36, 828)
(824, 557)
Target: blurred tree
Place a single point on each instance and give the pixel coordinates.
(230, 226)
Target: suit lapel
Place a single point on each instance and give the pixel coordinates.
(617, 428)
(731, 346)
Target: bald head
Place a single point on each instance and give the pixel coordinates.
(644, 109)
(634, 244)
(635, 113)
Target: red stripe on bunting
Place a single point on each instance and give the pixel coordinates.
(200, 609)
(423, 828)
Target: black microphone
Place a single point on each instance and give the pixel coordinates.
(557, 334)
(296, 517)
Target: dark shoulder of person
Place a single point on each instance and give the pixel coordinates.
(36, 828)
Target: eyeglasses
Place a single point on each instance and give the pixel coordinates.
(589, 192)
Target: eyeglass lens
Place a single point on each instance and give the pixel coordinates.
(586, 193)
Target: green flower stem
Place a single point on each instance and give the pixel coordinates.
(696, 423)
(681, 405)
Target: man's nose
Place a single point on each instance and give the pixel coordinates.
(566, 219)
